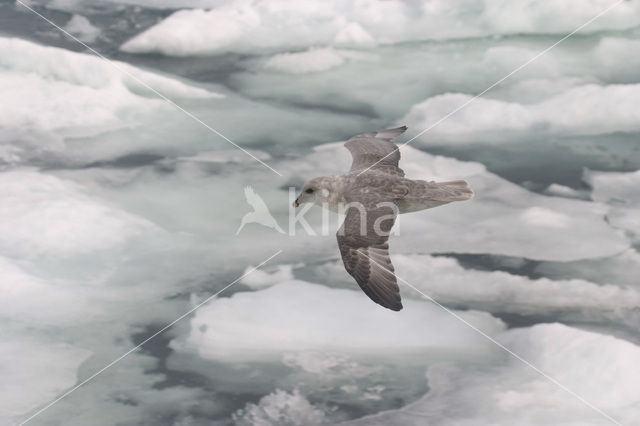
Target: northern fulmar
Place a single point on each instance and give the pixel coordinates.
(372, 193)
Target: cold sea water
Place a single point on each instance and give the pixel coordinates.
(121, 194)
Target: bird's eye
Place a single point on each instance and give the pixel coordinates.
(309, 191)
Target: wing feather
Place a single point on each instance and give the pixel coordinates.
(366, 257)
(376, 151)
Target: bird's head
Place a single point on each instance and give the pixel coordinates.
(314, 191)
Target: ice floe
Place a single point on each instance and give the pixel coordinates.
(42, 215)
(92, 255)
(583, 110)
(599, 368)
(74, 5)
(447, 281)
(563, 191)
(298, 316)
(613, 60)
(254, 25)
(304, 62)
(79, 69)
(353, 35)
(261, 278)
(496, 291)
(622, 269)
(82, 28)
(356, 82)
(280, 408)
(33, 301)
(33, 373)
(621, 191)
(52, 94)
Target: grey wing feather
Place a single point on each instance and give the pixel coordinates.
(458, 190)
(376, 151)
(365, 254)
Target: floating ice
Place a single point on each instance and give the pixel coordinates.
(540, 216)
(261, 278)
(444, 279)
(37, 104)
(82, 28)
(51, 93)
(227, 156)
(239, 26)
(353, 35)
(102, 5)
(313, 60)
(55, 280)
(444, 68)
(30, 300)
(622, 269)
(53, 96)
(584, 110)
(297, 316)
(33, 373)
(280, 408)
(613, 59)
(599, 368)
(326, 364)
(621, 191)
(42, 215)
(562, 191)
(496, 291)
(254, 25)
(78, 69)
(614, 187)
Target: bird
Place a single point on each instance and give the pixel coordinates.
(260, 213)
(372, 193)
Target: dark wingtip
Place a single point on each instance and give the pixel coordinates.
(400, 129)
(390, 133)
(395, 307)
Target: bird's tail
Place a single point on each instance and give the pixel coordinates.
(460, 189)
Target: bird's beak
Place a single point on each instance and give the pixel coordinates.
(296, 203)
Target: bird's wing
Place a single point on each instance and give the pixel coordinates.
(376, 151)
(447, 192)
(365, 253)
(255, 200)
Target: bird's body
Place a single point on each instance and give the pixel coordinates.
(372, 194)
(407, 194)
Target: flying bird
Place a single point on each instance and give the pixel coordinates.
(260, 213)
(373, 193)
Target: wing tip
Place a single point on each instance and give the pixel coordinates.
(462, 188)
(395, 307)
(391, 133)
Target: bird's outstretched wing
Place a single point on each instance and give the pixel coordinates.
(363, 242)
(255, 200)
(376, 151)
